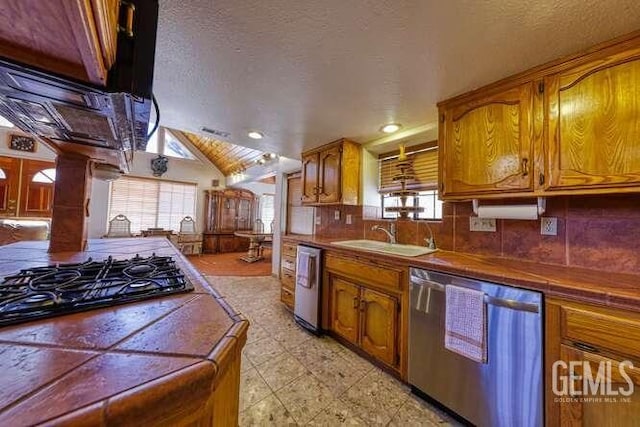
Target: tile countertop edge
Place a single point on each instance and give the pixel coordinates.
(618, 290)
(200, 377)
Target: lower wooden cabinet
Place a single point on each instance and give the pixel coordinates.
(592, 365)
(345, 306)
(363, 313)
(379, 325)
(599, 409)
(220, 243)
(288, 274)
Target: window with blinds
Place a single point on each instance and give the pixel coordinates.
(151, 203)
(267, 210)
(425, 168)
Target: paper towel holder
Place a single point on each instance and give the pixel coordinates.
(542, 205)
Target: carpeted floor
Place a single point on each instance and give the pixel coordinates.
(230, 264)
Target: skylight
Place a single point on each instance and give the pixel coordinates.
(5, 123)
(175, 148)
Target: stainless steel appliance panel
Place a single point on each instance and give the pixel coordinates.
(508, 389)
(307, 298)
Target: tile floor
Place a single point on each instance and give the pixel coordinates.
(290, 377)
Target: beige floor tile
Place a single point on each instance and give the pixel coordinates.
(245, 363)
(256, 333)
(305, 398)
(337, 413)
(416, 412)
(355, 361)
(312, 352)
(281, 370)
(263, 350)
(252, 388)
(336, 373)
(375, 398)
(291, 336)
(268, 412)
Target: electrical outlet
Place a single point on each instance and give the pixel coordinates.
(349, 219)
(548, 226)
(482, 224)
(336, 215)
(318, 219)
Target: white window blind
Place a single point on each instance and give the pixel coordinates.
(425, 168)
(267, 210)
(152, 203)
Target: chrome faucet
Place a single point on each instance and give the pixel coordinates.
(431, 241)
(391, 232)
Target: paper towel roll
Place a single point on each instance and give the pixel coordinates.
(508, 211)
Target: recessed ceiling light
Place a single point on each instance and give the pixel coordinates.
(390, 128)
(255, 135)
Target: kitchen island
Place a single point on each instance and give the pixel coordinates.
(172, 360)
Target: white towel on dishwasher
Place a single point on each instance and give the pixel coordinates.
(466, 323)
(302, 270)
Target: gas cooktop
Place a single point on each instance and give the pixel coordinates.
(65, 288)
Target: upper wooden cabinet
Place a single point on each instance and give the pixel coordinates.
(331, 174)
(593, 123)
(74, 38)
(568, 127)
(487, 144)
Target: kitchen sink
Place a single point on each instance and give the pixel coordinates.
(385, 248)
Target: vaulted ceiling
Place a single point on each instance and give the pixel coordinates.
(307, 72)
(228, 158)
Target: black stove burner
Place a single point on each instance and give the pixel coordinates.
(65, 288)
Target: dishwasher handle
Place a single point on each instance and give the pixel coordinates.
(500, 302)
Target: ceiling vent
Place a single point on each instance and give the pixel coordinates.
(218, 133)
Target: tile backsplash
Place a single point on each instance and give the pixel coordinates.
(597, 232)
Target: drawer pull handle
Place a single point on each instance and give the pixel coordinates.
(586, 347)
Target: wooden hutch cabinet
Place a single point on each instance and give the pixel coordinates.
(226, 212)
(20, 195)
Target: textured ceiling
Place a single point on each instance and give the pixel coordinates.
(307, 72)
(227, 157)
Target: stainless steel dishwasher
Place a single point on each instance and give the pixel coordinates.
(508, 389)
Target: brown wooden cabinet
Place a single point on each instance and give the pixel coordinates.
(20, 195)
(593, 123)
(364, 300)
(486, 144)
(9, 184)
(288, 274)
(345, 309)
(581, 337)
(226, 212)
(331, 174)
(72, 38)
(568, 127)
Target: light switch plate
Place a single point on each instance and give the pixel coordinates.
(482, 224)
(549, 226)
(349, 219)
(336, 215)
(318, 219)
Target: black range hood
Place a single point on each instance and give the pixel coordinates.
(114, 117)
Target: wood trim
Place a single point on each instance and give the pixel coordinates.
(81, 18)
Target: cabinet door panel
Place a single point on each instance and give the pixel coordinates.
(595, 409)
(330, 180)
(228, 214)
(245, 221)
(487, 146)
(379, 325)
(594, 125)
(310, 178)
(9, 181)
(345, 299)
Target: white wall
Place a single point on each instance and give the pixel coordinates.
(257, 188)
(42, 151)
(199, 172)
